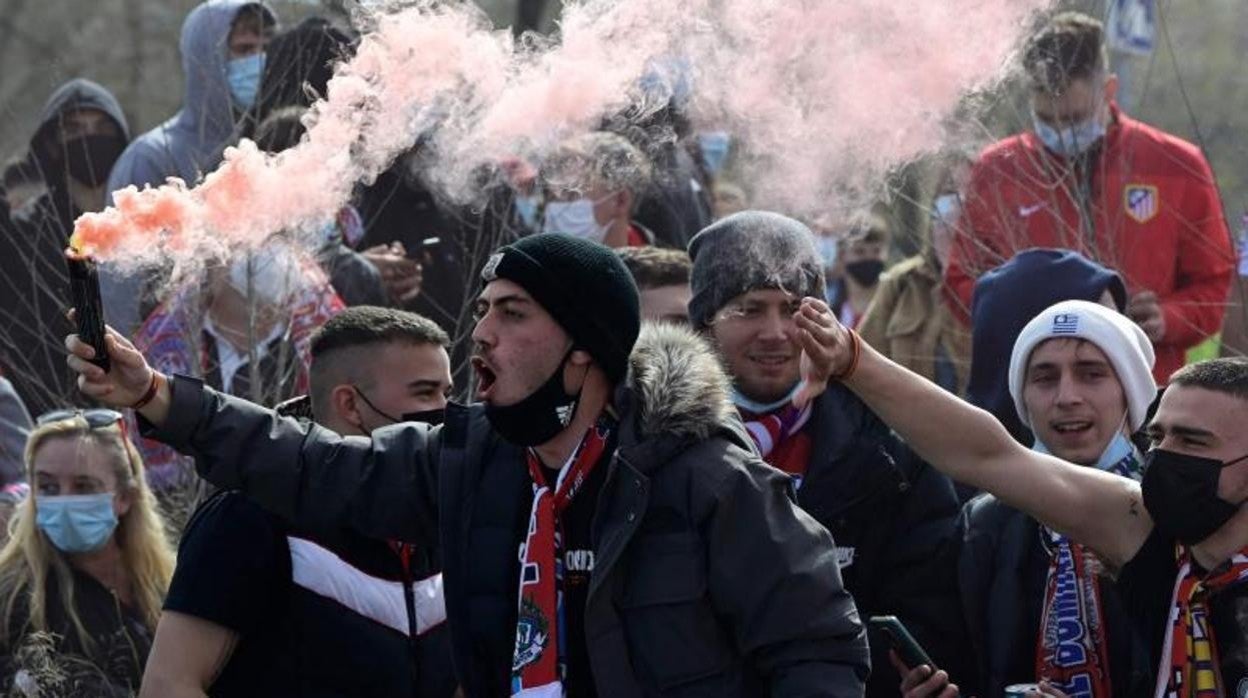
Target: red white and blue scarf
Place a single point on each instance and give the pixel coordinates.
(780, 438)
(1072, 651)
(539, 663)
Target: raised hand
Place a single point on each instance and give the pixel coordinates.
(829, 350)
(402, 277)
(127, 381)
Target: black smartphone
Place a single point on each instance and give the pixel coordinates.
(84, 284)
(908, 650)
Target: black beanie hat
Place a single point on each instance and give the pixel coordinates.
(747, 251)
(585, 288)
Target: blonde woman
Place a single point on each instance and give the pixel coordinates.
(87, 559)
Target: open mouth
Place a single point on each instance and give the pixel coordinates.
(1072, 427)
(486, 378)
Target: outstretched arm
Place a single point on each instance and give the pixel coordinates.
(313, 478)
(1102, 511)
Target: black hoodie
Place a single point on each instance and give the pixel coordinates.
(34, 282)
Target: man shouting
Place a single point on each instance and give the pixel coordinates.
(604, 484)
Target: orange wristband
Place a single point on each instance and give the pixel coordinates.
(151, 392)
(853, 362)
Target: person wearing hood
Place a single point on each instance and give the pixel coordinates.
(1006, 298)
(888, 512)
(223, 55)
(299, 62)
(1080, 376)
(907, 318)
(82, 130)
(1087, 177)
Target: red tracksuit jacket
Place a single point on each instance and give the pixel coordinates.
(1155, 215)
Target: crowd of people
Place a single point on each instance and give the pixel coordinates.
(612, 431)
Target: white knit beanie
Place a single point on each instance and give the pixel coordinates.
(1126, 345)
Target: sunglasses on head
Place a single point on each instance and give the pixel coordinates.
(96, 418)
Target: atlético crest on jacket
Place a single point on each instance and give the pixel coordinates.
(1141, 202)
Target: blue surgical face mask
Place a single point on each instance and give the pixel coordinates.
(946, 208)
(243, 75)
(526, 208)
(1119, 457)
(76, 523)
(575, 218)
(1072, 140)
(754, 407)
(714, 146)
(828, 248)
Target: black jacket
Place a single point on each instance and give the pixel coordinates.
(34, 281)
(354, 278)
(312, 621)
(891, 515)
(677, 205)
(707, 579)
(1002, 571)
(113, 667)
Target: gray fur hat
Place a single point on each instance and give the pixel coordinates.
(751, 250)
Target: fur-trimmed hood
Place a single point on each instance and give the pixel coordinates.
(678, 386)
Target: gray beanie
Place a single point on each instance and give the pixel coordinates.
(751, 250)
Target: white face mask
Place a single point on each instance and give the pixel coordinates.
(829, 248)
(575, 218)
(274, 275)
(753, 406)
(1071, 140)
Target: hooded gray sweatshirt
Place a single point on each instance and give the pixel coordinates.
(189, 144)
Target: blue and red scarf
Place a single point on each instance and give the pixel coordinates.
(1072, 651)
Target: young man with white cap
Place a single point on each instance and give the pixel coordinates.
(1081, 378)
(1177, 540)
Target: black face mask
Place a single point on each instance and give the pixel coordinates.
(1181, 494)
(539, 417)
(89, 159)
(431, 417)
(865, 271)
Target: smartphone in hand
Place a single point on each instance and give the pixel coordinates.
(908, 650)
(84, 284)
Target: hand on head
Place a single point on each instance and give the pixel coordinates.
(124, 384)
(828, 349)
